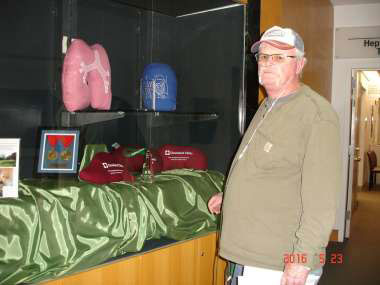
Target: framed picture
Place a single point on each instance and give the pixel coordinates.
(58, 151)
(9, 167)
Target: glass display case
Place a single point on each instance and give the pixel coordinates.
(205, 50)
(66, 218)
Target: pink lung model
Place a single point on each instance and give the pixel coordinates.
(86, 77)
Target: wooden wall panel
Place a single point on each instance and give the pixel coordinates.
(271, 14)
(314, 21)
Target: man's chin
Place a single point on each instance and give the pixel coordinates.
(271, 86)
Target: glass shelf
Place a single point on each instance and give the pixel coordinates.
(155, 118)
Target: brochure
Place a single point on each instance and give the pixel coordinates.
(9, 167)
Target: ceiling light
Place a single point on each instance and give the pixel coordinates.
(373, 76)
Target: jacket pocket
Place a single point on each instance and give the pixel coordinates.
(268, 154)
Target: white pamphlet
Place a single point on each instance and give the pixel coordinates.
(9, 167)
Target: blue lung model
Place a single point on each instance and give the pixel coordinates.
(159, 87)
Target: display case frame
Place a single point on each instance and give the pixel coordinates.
(204, 42)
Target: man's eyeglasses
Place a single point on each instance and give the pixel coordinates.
(276, 58)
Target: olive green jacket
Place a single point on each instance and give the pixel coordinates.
(281, 194)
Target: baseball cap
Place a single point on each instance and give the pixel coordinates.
(282, 38)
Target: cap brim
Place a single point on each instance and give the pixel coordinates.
(276, 44)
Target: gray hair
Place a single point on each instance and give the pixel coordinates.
(301, 55)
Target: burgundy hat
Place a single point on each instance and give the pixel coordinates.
(177, 157)
(106, 168)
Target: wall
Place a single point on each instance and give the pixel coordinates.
(346, 16)
(315, 27)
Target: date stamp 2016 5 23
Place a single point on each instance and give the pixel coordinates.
(331, 258)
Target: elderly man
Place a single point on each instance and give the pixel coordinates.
(280, 195)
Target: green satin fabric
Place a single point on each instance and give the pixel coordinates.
(61, 226)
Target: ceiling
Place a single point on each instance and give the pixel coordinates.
(372, 84)
(372, 76)
(353, 2)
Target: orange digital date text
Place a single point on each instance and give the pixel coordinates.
(301, 258)
(295, 258)
(332, 258)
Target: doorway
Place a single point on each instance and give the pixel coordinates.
(364, 135)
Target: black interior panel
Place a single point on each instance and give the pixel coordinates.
(205, 50)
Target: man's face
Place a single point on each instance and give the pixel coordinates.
(279, 76)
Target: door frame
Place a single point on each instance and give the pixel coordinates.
(354, 99)
(341, 101)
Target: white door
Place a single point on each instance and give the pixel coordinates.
(354, 150)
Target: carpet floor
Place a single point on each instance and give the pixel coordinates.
(360, 253)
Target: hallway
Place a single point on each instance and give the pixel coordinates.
(361, 251)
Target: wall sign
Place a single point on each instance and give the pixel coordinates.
(357, 42)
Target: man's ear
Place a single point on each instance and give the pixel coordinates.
(300, 65)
